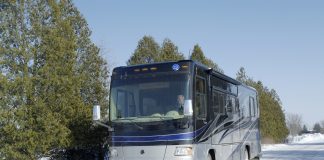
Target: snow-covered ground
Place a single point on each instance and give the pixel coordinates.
(305, 147)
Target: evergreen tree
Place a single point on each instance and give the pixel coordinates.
(322, 126)
(169, 52)
(241, 75)
(272, 118)
(51, 75)
(26, 122)
(305, 130)
(93, 72)
(147, 51)
(198, 55)
(317, 128)
(322, 123)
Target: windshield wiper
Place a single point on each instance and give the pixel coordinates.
(161, 117)
(132, 122)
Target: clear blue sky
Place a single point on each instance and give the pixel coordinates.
(280, 42)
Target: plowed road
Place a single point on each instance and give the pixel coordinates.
(310, 151)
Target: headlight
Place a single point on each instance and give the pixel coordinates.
(183, 151)
(113, 152)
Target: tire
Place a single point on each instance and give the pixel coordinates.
(246, 155)
(209, 157)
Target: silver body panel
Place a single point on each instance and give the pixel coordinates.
(226, 150)
(140, 152)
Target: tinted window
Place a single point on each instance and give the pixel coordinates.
(121, 102)
(252, 107)
(148, 96)
(223, 85)
(200, 98)
(215, 107)
(131, 105)
(237, 106)
(229, 105)
(218, 105)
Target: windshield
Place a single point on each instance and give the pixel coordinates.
(149, 97)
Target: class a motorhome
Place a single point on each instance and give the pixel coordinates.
(180, 111)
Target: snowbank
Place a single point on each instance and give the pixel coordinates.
(308, 138)
(267, 147)
(316, 138)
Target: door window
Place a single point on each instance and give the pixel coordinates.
(200, 98)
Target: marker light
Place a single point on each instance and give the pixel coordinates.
(137, 70)
(144, 69)
(184, 66)
(183, 151)
(153, 68)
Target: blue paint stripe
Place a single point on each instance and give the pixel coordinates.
(169, 137)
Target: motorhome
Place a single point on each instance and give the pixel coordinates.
(181, 111)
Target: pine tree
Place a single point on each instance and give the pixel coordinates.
(147, 51)
(27, 122)
(305, 130)
(93, 72)
(169, 52)
(51, 75)
(198, 55)
(317, 128)
(322, 126)
(272, 117)
(241, 75)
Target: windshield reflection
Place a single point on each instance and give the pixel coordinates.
(148, 98)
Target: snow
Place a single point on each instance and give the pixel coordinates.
(305, 147)
(309, 138)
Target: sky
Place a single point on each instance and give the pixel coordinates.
(279, 42)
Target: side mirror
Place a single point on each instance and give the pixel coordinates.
(96, 113)
(187, 109)
(96, 118)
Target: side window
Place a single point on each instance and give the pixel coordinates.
(215, 106)
(232, 106)
(219, 104)
(121, 103)
(229, 105)
(252, 107)
(131, 105)
(257, 109)
(125, 104)
(200, 97)
(237, 106)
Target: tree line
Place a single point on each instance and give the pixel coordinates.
(149, 51)
(272, 118)
(295, 125)
(52, 74)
